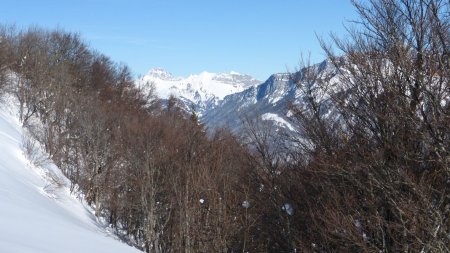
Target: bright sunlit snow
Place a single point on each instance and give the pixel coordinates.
(37, 216)
(198, 87)
(279, 120)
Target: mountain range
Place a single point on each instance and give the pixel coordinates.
(225, 99)
(199, 92)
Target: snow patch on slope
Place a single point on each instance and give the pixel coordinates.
(278, 120)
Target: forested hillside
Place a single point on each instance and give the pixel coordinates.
(142, 167)
(373, 176)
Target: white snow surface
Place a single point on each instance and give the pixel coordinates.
(198, 87)
(37, 216)
(278, 120)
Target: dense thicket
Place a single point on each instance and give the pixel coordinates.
(370, 170)
(374, 175)
(371, 176)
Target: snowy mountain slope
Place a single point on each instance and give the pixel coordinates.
(36, 214)
(268, 97)
(203, 91)
(224, 100)
(267, 102)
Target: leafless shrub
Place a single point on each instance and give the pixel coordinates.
(33, 150)
(54, 184)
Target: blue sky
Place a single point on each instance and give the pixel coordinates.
(248, 36)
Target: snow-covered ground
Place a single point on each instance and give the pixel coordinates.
(36, 214)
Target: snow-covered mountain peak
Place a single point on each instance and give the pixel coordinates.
(160, 73)
(216, 84)
(199, 90)
(237, 79)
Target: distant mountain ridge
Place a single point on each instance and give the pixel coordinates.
(202, 91)
(268, 101)
(225, 99)
(268, 97)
